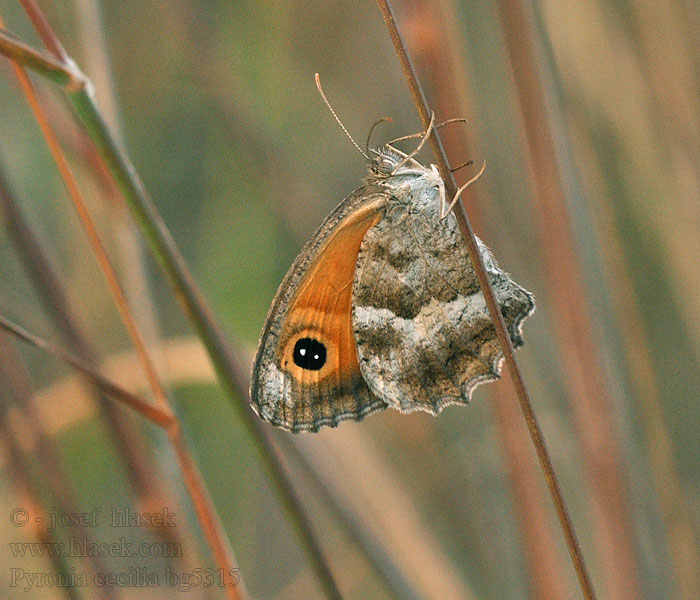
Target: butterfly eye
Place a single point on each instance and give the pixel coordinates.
(384, 165)
(309, 354)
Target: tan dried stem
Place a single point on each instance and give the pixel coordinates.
(155, 414)
(435, 27)
(494, 310)
(232, 375)
(165, 419)
(195, 486)
(15, 383)
(28, 497)
(590, 400)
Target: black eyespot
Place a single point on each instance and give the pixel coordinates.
(309, 354)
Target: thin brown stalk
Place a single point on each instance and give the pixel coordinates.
(165, 419)
(157, 415)
(40, 267)
(590, 399)
(203, 506)
(492, 303)
(44, 30)
(29, 497)
(677, 518)
(434, 26)
(231, 374)
(208, 518)
(15, 383)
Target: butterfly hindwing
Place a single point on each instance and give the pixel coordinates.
(306, 373)
(423, 332)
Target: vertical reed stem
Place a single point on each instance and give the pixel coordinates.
(503, 337)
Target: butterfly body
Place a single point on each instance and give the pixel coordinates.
(381, 308)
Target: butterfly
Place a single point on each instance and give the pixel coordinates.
(382, 308)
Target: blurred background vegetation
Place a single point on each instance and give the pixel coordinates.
(588, 116)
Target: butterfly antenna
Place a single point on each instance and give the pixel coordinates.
(371, 130)
(328, 104)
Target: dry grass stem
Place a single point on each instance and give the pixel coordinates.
(590, 402)
(494, 311)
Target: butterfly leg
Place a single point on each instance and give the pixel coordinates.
(443, 214)
(426, 135)
(441, 192)
(421, 134)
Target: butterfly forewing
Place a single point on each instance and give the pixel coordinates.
(306, 373)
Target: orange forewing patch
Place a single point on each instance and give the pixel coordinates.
(322, 308)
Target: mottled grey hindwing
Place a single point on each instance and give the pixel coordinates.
(424, 336)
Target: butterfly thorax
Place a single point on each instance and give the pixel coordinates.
(408, 181)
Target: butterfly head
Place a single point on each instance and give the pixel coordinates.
(387, 161)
